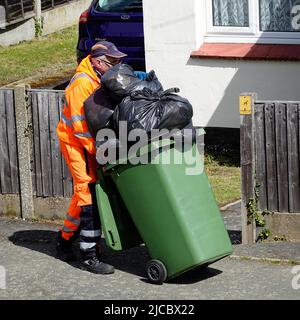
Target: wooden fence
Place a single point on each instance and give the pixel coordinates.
(270, 160)
(9, 169)
(50, 176)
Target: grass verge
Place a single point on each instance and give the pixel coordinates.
(50, 56)
(224, 178)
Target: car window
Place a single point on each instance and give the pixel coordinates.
(119, 5)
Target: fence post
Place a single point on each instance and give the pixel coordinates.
(38, 19)
(23, 143)
(247, 144)
(7, 11)
(38, 9)
(22, 9)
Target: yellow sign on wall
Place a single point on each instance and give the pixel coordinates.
(245, 105)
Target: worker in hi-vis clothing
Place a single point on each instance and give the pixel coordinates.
(78, 149)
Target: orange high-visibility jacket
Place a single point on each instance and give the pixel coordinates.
(72, 128)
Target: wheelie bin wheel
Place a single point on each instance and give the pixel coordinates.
(156, 271)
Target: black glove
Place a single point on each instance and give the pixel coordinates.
(150, 75)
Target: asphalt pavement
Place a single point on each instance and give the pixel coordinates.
(29, 270)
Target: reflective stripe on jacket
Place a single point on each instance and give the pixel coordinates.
(72, 127)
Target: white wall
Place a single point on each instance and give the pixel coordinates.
(22, 32)
(173, 29)
(64, 16)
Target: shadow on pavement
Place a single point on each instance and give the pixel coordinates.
(196, 275)
(193, 276)
(131, 261)
(38, 240)
(134, 261)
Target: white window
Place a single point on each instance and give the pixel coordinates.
(253, 21)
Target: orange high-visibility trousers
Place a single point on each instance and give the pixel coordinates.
(82, 166)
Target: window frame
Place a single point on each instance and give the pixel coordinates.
(251, 34)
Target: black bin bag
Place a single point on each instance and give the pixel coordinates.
(99, 109)
(149, 110)
(120, 81)
(152, 83)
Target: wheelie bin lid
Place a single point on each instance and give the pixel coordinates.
(149, 147)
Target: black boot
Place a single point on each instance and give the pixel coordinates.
(94, 265)
(90, 236)
(64, 250)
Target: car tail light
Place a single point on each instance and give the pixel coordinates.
(84, 16)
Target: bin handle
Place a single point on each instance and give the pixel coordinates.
(113, 243)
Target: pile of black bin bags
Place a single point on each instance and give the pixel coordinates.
(143, 104)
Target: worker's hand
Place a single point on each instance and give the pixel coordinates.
(150, 76)
(141, 75)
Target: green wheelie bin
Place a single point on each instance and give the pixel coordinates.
(174, 213)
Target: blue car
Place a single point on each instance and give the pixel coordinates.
(118, 21)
